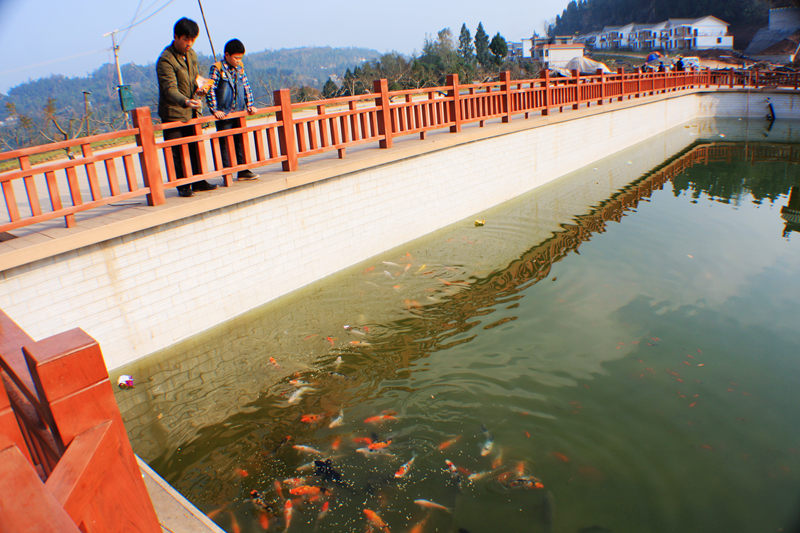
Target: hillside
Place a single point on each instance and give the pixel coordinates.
(267, 70)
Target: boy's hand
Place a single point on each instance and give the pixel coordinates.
(196, 104)
(251, 110)
(219, 115)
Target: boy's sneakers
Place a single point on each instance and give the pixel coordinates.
(247, 175)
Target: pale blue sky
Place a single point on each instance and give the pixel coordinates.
(42, 37)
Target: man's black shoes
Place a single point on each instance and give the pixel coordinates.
(203, 186)
(247, 175)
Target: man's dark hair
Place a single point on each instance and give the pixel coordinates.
(234, 46)
(186, 28)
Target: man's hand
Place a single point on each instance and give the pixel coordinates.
(251, 110)
(196, 104)
(219, 115)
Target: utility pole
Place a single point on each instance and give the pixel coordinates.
(115, 47)
(86, 113)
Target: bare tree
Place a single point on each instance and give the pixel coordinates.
(71, 130)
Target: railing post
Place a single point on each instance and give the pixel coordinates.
(756, 80)
(621, 74)
(505, 77)
(638, 82)
(70, 377)
(577, 76)
(286, 136)
(455, 104)
(602, 85)
(151, 170)
(10, 435)
(384, 112)
(548, 96)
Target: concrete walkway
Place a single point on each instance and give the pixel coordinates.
(48, 239)
(175, 513)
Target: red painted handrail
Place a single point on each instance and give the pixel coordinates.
(65, 458)
(287, 132)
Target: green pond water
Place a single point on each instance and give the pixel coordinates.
(634, 364)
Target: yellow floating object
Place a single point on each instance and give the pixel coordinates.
(480, 222)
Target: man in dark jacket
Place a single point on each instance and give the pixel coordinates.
(177, 97)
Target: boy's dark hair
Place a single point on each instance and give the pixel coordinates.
(234, 46)
(186, 28)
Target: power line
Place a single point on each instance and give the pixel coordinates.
(51, 61)
(168, 2)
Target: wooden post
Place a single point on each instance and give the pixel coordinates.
(381, 87)
(10, 435)
(151, 170)
(638, 82)
(455, 103)
(548, 97)
(621, 74)
(577, 76)
(505, 77)
(70, 376)
(602, 85)
(286, 136)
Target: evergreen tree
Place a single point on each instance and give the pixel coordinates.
(330, 89)
(482, 46)
(499, 48)
(465, 48)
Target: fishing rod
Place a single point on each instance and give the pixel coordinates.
(202, 13)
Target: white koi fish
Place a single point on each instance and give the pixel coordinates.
(298, 394)
(486, 449)
(338, 421)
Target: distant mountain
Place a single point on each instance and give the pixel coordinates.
(267, 70)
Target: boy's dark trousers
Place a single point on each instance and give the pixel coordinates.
(238, 142)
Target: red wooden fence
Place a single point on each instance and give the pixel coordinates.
(303, 129)
(65, 460)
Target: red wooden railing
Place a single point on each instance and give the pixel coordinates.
(65, 460)
(304, 129)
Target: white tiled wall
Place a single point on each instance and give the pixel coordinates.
(145, 291)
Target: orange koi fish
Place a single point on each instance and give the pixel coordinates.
(560, 456)
(307, 490)
(419, 526)
(273, 362)
(278, 489)
(324, 511)
(240, 472)
(235, 527)
(446, 444)
(213, 514)
(287, 514)
(337, 442)
(375, 520)
(330, 340)
(311, 418)
(403, 470)
(379, 445)
(386, 415)
(263, 520)
(432, 505)
(294, 481)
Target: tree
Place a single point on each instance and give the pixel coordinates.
(482, 46)
(330, 89)
(499, 48)
(465, 48)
